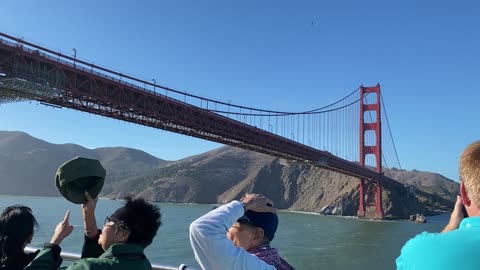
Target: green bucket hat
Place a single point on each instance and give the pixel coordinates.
(78, 175)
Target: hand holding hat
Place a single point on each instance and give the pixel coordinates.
(88, 207)
(88, 213)
(258, 203)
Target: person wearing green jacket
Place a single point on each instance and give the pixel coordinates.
(120, 245)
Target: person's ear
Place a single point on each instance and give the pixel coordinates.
(122, 234)
(259, 234)
(463, 193)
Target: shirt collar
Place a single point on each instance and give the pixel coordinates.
(470, 222)
(124, 250)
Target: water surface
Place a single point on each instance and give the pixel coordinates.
(307, 241)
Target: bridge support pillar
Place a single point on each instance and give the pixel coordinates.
(378, 200)
(370, 147)
(361, 203)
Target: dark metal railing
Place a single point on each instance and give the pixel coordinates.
(74, 257)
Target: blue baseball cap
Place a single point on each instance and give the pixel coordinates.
(267, 221)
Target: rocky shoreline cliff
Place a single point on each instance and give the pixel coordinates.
(219, 176)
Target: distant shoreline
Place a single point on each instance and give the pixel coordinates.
(428, 214)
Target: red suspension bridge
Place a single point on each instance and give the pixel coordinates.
(345, 136)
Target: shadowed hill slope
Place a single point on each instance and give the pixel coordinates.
(28, 165)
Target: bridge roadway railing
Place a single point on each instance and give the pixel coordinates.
(175, 115)
(80, 65)
(74, 257)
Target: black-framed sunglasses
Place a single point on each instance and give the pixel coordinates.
(118, 223)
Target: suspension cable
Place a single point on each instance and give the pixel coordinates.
(288, 113)
(391, 137)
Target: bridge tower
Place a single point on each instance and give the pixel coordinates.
(370, 150)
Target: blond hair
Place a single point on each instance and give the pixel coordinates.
(470, 171)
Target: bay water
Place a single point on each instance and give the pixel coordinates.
(307, 241)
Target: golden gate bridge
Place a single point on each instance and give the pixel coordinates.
(345, 136)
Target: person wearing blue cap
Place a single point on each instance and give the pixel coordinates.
(237, 235)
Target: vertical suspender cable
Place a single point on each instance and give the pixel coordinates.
(298, 127)
(303, 126)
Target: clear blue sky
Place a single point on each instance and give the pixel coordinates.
(280, 55)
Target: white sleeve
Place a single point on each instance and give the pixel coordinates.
(213, 250)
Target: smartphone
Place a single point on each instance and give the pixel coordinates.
(464, 211)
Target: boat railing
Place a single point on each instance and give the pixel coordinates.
(74, 257)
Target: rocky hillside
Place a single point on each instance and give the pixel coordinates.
(28, 165)
(228, 173)
(435, 191)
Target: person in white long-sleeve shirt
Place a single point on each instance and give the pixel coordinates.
(237, 235)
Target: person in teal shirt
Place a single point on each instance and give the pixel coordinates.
(457, 246)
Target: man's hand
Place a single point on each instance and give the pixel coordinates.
(456, 216)
(258, 203)
(62, 230)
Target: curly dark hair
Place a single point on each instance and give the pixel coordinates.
(142, 220)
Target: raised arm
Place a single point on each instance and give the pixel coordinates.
(213, 250)
(456, 217)
(88, 213)
(49, 258)
(91, 248)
